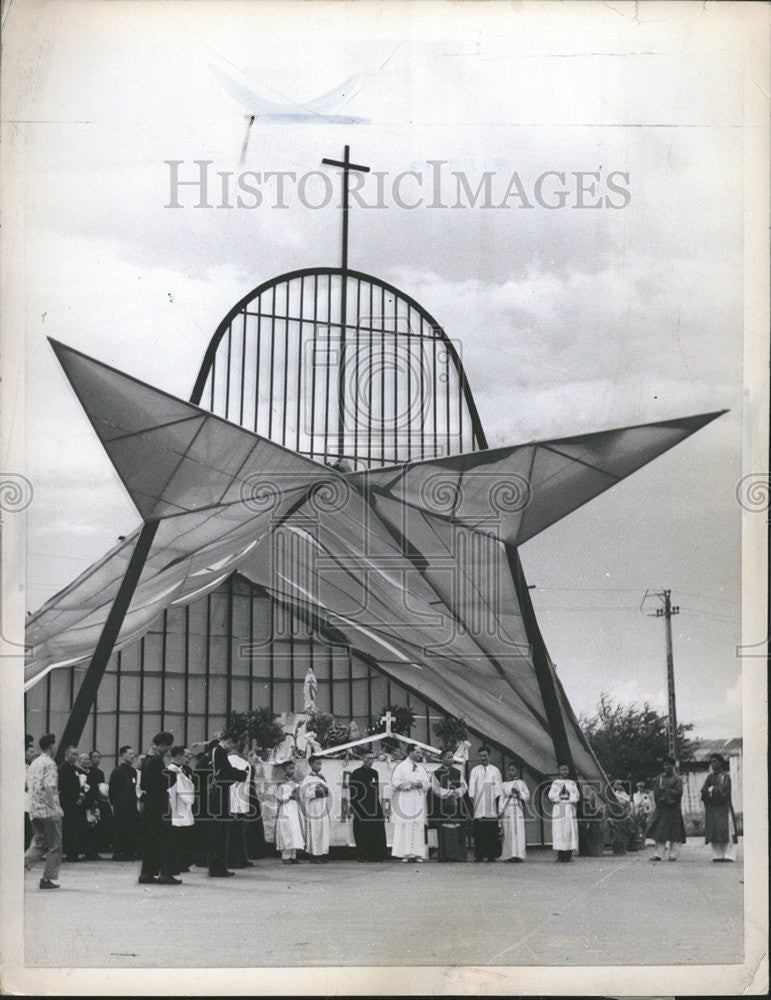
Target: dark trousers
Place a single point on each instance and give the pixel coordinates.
(46, 840)
(182, 841)
(486, 843)
(158, 855)
(237, 843)
(370, 839)
(218, 842)
(28, 832)
(254, 836)
(200, 843)
(89, 843)
(451, 842)
(72, 832)
(125, 840)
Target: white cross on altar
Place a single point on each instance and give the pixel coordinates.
(388, 719)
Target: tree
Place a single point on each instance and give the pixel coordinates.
(630, 741)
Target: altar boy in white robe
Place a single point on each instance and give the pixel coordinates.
(181, 801)
(316, 802)
(564, 824)
(410, 783)
(515, 794)
(289, 827)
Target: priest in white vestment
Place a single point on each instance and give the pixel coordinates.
(316, 801)
(485, 788)
(410, 783)
(290, 837)
(563, 795)
(515, 794)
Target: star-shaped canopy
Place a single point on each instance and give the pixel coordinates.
(409, 565)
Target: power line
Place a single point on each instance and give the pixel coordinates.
(636, 590)
(590, 607)
(706, 597)
(598, 590)
(711, 614)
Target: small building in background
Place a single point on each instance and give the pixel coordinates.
(694, 773)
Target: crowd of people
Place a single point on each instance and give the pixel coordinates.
(173, 809)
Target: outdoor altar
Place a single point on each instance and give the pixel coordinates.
(337, 771)
(338, 763)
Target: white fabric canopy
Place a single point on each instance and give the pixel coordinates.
(409, 563)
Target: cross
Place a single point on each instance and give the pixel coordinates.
(388, 719)
(347, 166)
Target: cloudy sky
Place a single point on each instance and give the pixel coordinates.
(568, 318)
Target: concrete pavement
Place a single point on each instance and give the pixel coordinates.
(594, 911)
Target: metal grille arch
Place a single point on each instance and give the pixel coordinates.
(380, 385)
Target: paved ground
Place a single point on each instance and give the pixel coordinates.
(594, 911)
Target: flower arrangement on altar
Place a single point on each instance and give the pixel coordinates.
(450, 731)
(256, 729)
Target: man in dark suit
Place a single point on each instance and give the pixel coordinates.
(99, 837)
(123, 797)
(91, 813)
(158, 860)
(71, 800)
(368, 821)
(223, 776)
(447, 809)
(202, 820)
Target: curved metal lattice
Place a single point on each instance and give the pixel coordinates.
(380, 386)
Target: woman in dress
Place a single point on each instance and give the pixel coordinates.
(512, 815)
(289, 828)
(716, 796)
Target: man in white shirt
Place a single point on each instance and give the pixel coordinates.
(485, 788)
(45, 813)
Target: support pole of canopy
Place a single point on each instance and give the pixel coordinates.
(86, 696)
(543, 671)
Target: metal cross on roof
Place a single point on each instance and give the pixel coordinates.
(347, 167)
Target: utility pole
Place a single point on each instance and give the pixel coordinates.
(666, 613)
